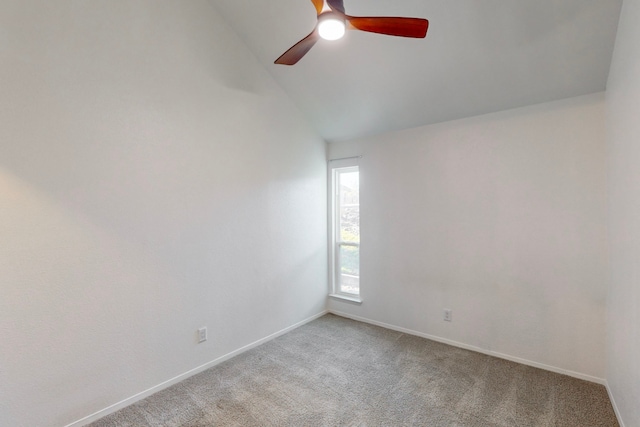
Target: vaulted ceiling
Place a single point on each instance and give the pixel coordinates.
(478, 57)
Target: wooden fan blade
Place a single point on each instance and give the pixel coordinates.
(403, 27)
(319, 4)
(336, 5)
(298, 50)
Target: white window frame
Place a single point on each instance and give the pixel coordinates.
(335, 167)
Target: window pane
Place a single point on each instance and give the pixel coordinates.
(350, 269)
(349, 187)
(350, 224)
(349, 199)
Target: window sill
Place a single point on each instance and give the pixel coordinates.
(354, 299)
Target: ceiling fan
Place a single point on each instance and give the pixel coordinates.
(333, 21)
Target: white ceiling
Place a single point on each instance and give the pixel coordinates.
(478, 57)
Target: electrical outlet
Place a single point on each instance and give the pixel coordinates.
(202, 334)
(448, 313)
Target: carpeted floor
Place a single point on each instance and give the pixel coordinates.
(338, 372)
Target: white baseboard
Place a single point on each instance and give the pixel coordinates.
(139, 396)
(474, 348)
(613, 403)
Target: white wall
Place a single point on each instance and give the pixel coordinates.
(153, 179)
(501, 218)
(623, 110)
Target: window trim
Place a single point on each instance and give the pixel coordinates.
(335, 167)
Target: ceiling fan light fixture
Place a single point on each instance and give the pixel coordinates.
(331, 26)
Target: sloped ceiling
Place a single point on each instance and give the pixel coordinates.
(478, 57)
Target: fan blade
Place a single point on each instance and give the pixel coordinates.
(319, 4)
(336, 5)
(403, 27)
(298, 50)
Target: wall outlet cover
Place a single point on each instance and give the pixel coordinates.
(202, 335)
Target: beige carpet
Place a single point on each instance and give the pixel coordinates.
(338, 372)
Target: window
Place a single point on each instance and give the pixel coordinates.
(345, 229)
